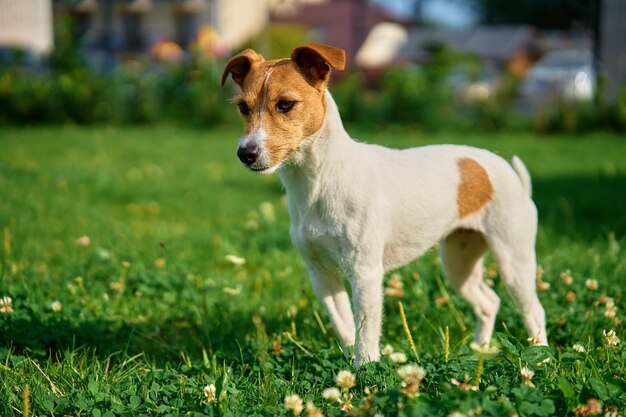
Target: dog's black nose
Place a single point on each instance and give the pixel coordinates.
(248, 154)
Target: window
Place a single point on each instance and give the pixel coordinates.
(133, 36)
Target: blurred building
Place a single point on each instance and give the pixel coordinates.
(510, 47)
(26, 24)
(126, 27)
(343, 23)
(133, 25)
(611, 44)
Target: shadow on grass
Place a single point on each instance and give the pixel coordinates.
(231, 335)
(582, 208)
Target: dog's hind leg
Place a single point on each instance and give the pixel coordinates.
(518, 268)
(331, 292)
(462, 256)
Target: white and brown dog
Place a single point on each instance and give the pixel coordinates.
(362, 210)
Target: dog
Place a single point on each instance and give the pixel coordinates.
(361, 210)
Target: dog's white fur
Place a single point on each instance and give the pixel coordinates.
(362, 210)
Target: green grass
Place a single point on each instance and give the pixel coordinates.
(135, 337)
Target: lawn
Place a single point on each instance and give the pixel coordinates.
(144, 264)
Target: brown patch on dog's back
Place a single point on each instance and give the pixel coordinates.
(475, 189)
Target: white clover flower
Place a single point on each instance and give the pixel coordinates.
(591, 284)
(398, 357)
(56, 306)
(394, 287)
(528, 375)
(543, 285)
(294, 403)
(484, 350)
(539, 272)
(591, 408)
(292, 311)
(312, 410)
(251, 225)
(594, 406)
(345, 379)
(411, 374)
(567, 278)
(464, 385)
(579, 348)
(331, 394)
(6, 305)
(412, 377)
(232, 291)
(116, 286)
(209, 392)
(387, 350)
(160, 263)
(611, 338)
(544, 362)
(83, 241)
(235, 260)
(456, 414)
(610, 311)
(103, 254)
(267, 211)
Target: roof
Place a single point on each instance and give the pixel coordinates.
(494, 42)
(499, 43)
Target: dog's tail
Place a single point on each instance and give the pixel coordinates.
(523, 175)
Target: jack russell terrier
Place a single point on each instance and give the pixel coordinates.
(362, 210)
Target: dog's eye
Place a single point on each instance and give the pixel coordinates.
(285, 105)
(243, 108)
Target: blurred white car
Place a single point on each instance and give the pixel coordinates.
(564, 74)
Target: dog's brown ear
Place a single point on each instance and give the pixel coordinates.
(240, 65)
(315, 60)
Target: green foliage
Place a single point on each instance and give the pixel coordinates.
(277, 40)
(153, 310)
(188, 93)
(418, 96)
(583, 117)
(141, 92)
(423, 97)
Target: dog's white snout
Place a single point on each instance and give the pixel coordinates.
(251, 151)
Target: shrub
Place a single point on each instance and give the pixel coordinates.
(192, 93)
(137, 94)
(66, 90)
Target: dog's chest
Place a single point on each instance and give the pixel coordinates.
(319, 237)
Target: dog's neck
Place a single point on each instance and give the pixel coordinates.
(315, 162)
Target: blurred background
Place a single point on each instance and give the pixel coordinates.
(488, 65)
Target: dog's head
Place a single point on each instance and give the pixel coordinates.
(281, 101)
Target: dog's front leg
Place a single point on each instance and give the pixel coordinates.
(367, 296)
(331, 292)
